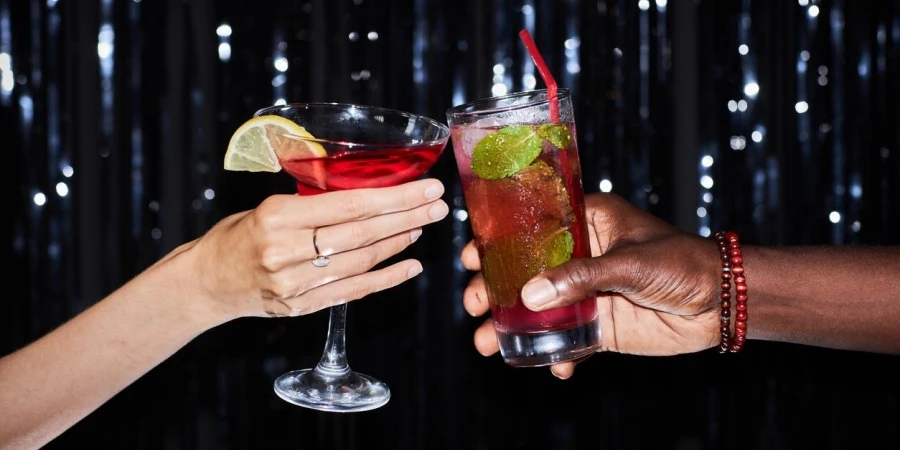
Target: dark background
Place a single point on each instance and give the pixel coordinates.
(115, 116)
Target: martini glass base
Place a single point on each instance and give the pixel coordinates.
(347, 392)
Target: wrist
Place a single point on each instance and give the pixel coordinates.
(189, 299)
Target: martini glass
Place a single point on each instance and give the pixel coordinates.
(364, 147)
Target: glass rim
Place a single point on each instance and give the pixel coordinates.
(465, 110)
(444, 129)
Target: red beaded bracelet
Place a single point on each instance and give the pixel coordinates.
(732, 270)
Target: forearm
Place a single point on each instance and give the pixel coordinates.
(51, 384)
(843, 297)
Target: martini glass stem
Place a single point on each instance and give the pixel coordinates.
(334, 358)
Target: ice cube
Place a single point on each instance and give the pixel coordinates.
(486, 123)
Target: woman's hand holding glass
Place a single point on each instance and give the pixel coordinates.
(259, 262)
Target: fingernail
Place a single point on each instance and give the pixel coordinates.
(414, 270)
(538, 293)
(434, 191)
(557, 374)
(414, 234)
(438, 211)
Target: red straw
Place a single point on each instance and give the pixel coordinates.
(545, 74)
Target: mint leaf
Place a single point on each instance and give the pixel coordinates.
(556, 133)
(560, 249)
(505, 152)
(510, 261)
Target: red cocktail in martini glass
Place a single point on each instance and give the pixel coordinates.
(337, 147)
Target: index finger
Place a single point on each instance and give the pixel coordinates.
(469, 257)
(358, 204)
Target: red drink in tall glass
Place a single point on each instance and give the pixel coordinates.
(521, 179)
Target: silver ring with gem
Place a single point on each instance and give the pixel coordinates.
(321, 260)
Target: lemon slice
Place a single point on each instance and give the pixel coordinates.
(261, 142)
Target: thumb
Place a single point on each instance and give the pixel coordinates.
(578, 279)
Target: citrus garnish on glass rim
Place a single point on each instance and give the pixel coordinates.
(261, 142)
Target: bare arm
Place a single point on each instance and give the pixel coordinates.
(843, 297)
(660, 289)
(255, 263)
(60, 378)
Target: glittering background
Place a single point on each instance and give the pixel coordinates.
(778, 119)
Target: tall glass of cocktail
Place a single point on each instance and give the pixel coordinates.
(521, 179)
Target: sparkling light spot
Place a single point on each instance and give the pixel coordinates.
(62, 189)
(40, 199)
(209, 194)
(708, 197)
(743, 49)
(732, 106)
(742, 105)
(701, 212)
(498, 89)
(373, 35)
(834, 217)
(224, 30)
(461, 215)
(706, 181)
(281, 64)
(644, 5)
(104, 49)
(707, 161)
(801, 107)
(529, 81)
(224, 51)
(499, 69)
(68, 171)
(7, 81)
(751, 89)
(705, 231)
(756, 136)
(606, 185)
(813, 11)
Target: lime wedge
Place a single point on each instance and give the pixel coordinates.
(259, 144)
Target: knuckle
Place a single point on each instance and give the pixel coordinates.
(302, 306)
(578, 277)
(275, 307)
(359, 289)
(359, 233)
(418, 218)
(266, 215)
(281, 288)
(354, 206)
(412, 198)
(271, 259)
(366, 260)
